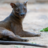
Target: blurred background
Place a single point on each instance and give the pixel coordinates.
(29, 1)
(35, 20)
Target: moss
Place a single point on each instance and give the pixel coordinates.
(44, 29)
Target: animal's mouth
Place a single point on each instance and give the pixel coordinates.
(22, 16)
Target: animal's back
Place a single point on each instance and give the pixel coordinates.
(5, 23)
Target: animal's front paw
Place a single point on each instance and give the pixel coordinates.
(25, 40)
(37, 35)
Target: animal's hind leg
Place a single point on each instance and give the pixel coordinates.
(6, 33)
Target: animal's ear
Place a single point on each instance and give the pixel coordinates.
(12, 5)
(25, 3)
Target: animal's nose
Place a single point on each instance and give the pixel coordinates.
(22, 14)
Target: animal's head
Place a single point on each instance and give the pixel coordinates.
(19, 9)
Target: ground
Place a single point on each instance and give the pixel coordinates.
(35, 20)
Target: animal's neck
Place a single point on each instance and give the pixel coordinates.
(15, 18)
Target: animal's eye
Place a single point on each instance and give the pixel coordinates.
(24, 8)
(17, 10)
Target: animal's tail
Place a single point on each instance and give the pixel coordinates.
(21, 43)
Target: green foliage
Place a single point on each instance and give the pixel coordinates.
(17, 46)
(44, 30)
(33, 43)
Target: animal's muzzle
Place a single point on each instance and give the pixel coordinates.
(22, 14)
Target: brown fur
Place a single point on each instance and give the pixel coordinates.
(11, 27)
